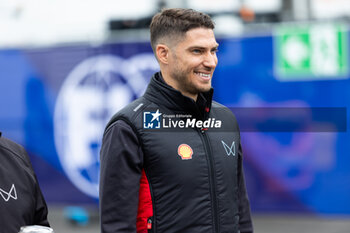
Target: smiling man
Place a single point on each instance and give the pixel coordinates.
(186, 176)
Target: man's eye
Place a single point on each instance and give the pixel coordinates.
(196, 51)
(214, 51)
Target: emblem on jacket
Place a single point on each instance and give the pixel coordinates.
(151, 120)
(185, 152)
(7, 195)
(230, 150)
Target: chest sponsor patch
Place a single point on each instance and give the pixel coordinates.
(185, 152)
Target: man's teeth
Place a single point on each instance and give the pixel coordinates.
(203, 75)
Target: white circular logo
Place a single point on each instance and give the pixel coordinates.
(93, 91)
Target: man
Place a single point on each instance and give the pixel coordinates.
(21, 200)
(171, 161)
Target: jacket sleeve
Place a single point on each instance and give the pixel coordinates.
(41, 210)
(245, 221)
(121, 167)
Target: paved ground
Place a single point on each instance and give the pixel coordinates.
(300, 224)
(262, 223)
(60, 224)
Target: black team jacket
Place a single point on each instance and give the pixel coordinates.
(21, 200)
(181, 177)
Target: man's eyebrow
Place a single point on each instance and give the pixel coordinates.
(201, 47)
(196, 47)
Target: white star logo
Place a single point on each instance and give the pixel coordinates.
(156, 115)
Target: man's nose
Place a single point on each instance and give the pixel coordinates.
(210, 61)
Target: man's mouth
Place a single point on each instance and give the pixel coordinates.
(203, 75)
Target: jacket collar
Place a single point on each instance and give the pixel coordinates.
(163, 94)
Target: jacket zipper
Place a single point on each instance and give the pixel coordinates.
(212, 184)
(149, 225)
(151, 221)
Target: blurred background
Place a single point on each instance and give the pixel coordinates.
(67, 66)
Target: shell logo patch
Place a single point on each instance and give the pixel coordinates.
(185, 152)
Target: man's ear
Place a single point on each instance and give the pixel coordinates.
(162, 52)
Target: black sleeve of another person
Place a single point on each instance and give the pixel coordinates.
(41, 211)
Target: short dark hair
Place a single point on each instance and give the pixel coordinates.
(176, 22)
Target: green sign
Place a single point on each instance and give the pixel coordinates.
(311, 52)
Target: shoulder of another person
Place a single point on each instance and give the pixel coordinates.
(15, 150)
